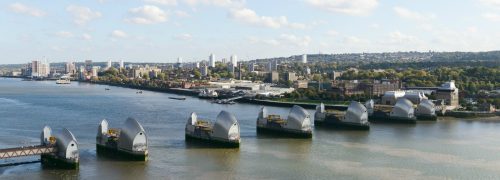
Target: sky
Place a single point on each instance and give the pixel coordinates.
(163, 30)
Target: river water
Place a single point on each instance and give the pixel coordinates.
(449, 148)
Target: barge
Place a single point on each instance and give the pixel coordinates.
(298, 123)
(355, 118)
(129, 142)
(225, 132)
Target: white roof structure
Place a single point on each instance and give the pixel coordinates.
(448, 86)
(226, 127)
(403, 109)
(415, 97)
(192, 119)
(426, 107)
(66, 144)
(356, 113)
(370, 105)
(298, 119)
(46, 133)
(132, 136)
(319, 115)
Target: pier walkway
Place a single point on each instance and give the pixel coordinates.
(27, 151)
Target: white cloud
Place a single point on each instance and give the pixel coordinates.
(86, 36)
(64, 34)
(397, 37)
(491, 3)
(182, 14)
(408, 14)
(349, 7)
(147, 14)
(221, 3)
(118, 34)
(355, 40)
(184, 36)
(249, 16)
(332, 33)
(295, 40)
(82, 14)
(23, 9)
(491, 16)
(163, 2)
(283, 39)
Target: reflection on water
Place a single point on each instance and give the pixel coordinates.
(448, 148)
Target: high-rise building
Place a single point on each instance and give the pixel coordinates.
(40, 69)
(251, 67)
(224, 60)
(70, 68)
(291, 76)
(88, 65)
(109, 64)
(304, 58)
(234, 60)
(122, 64)
(273, 77)
(95, 69)
(211, 60)
(204, 70)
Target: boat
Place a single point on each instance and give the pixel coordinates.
(401, 112)
(355, 118)
(138, 92)
(298, 123)
(177, 98)
(107, 89)
(129, 142)
(426, 111)
(225, 132)
(63, 81)
(208, 94)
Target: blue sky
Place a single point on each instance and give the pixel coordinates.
(162, 30)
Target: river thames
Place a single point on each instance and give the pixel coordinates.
(449, 148)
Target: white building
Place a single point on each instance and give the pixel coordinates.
(95, 69)
(234, 60)
(122, 64)
(211, 60)
(40, 69)
(109, 64)
(70, 68)
(304, 58)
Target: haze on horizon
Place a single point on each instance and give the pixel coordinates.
(162, 30)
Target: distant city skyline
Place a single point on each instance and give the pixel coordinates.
(165, 30)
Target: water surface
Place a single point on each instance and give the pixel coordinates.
(449, 148)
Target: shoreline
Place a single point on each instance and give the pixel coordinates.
(263, 102)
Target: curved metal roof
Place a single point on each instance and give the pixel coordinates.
(225, 124)
(426, 107)
(356, 113)
(131, 129)
(298, 119)
(403, 108)
(67, 144)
